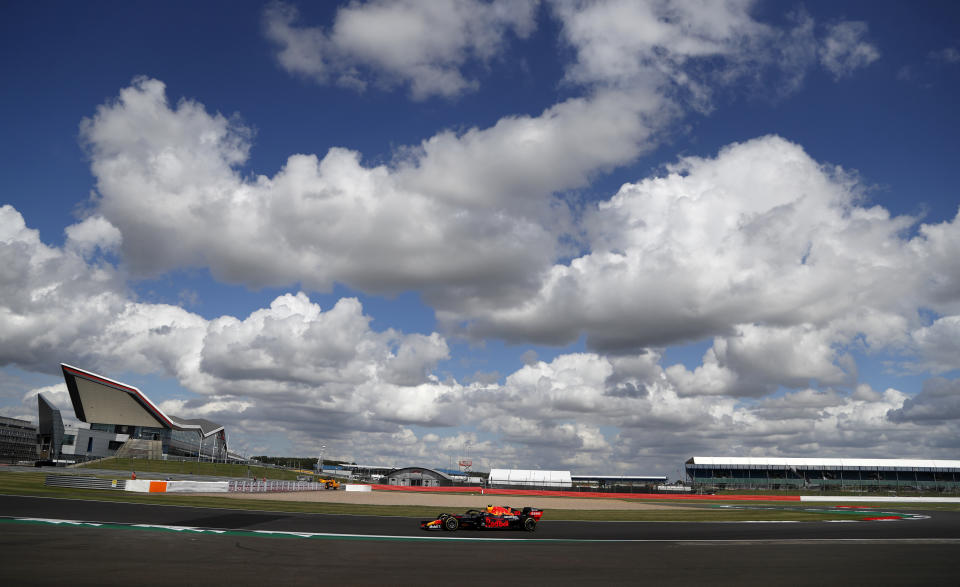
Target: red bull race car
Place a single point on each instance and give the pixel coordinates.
(493, 517)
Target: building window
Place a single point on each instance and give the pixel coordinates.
(90, 444)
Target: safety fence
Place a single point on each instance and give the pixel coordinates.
(78, 482)
(260, 486)
(182, 486)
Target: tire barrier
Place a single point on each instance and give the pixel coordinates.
(79, 482)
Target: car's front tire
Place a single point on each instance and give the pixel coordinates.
(451, 523)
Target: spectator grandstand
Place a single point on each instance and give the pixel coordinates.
(823, 474)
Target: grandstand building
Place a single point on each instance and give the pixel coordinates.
(135, 426)
(619, 482)
(823, 474)
(67, 444)
(18, 439)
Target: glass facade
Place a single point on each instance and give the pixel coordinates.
(18, 440)
(823, 478)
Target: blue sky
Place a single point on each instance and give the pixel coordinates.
(592, 236)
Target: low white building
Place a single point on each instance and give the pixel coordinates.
(530, 478)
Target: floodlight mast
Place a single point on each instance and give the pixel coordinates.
(323, 448)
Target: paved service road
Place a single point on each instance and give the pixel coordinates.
(910, 551)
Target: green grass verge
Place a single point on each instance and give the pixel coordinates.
(19, 483)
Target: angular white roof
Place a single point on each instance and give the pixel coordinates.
(99, 399)
(823, 463)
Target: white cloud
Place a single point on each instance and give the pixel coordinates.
(57, 307)
(623, 42)
(51, 300)
(844, 49)
(300, 372)
(56, 394)
(93, 233)
(938, 402)
(777, 257)
(937, 346)
(460, 216)
(689, 50)
(425, 45)
(761, 234)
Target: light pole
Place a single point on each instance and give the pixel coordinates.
(199, 452)
(323, 448)
(464, 461)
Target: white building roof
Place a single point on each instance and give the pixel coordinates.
(96, 398)
(823, 463)
(529, 477)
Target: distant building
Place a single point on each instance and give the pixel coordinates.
(823, 474)
(50, 430)
(73, 444)
(18, 440)
(619, 482)
(417, 477)
(530, 478)
(120, 415)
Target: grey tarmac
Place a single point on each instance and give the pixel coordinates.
(903, 552)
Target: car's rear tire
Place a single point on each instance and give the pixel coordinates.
(451, 523)
(529, 524)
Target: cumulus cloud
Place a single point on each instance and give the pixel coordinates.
(59, 307)
(468, 218)
(572, 411)
(300, 372)
(51, 299)
(684, 47)
(690, 50)
(937, 346)
(761, 234)
(845, 48)
(56, 394)
(779, 258)
(939, 401)
(425, 46)
(93, 234)
(626, 43)
(460, 216)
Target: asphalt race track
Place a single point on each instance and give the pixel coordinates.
(318, 548)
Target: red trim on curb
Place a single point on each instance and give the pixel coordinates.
(547, 493)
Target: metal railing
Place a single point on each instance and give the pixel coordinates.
(269, 486)
(79, 482)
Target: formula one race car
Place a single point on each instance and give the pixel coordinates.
(498, 517)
